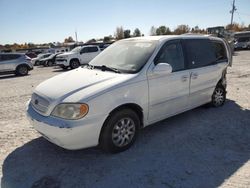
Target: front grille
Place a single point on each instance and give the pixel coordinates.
(39, 103)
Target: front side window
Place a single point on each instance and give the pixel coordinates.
(172, 54)
(84, 50)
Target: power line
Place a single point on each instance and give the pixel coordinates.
(245, 14)
(239, 17)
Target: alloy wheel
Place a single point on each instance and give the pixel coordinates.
(218, 97)
(123, 132)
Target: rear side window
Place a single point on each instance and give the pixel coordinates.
(47, 55)
(92, 49)
(200, 53)
(244, 39)
(6, 57)
(220, 51)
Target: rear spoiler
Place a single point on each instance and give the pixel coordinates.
(229, 52)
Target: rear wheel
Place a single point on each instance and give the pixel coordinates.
(49, 63)
(119, 131)
(74, 63)
(22, 70)
(219, 96)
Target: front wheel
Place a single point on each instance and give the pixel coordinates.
(74, 64)
(219, 96)
(120, 131)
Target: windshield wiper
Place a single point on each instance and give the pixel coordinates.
(105, 68)
(102, 68)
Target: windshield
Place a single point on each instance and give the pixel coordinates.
(76, 49)
(126, 56)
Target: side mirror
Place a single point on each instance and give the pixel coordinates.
(162, 68)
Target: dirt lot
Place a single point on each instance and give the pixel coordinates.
(205, 147)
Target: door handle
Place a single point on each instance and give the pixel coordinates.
(184, 78)
(194, 75)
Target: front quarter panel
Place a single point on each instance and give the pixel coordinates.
(136, 93)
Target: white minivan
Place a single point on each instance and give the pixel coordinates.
(132, 84)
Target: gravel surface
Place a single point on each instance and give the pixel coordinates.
(204, 147)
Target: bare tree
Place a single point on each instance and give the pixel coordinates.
(119, 34)
(181, 29)
(152, 31)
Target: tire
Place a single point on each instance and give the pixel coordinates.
(45, 64)
(219, 96)
(22, 70)
(64, 67)
(74, 63)
(49, 63)
(120, 131)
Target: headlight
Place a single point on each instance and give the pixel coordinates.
(71, 111)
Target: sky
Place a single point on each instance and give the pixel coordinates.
(43, 21)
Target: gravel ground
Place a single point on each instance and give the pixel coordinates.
(204, 147)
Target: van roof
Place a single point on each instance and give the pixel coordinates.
(164, 37)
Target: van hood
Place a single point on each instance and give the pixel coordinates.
(79, 84)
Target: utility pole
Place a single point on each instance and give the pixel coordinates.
(232, 12)
(76, 35)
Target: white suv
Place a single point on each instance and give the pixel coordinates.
(16, 63)
(130, 85)
(77, 56)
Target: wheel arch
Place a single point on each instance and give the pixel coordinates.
(132, 106)
(74, 59)
(222, 80)
(22, 65)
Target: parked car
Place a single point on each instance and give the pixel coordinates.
(16, 63)
(35, 61)
(49, 61)
(31, 54)
(78, 56)
(130, 85)
(242, 43)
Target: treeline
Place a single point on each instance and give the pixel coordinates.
(121, 33)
